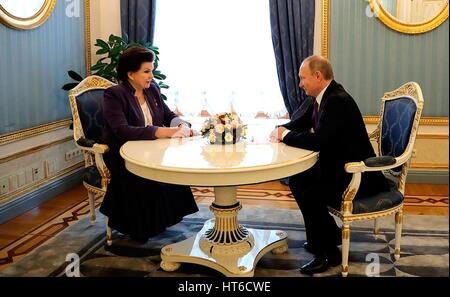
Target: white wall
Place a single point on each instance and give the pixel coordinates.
(105, 20)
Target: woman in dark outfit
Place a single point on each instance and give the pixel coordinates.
(133, 110)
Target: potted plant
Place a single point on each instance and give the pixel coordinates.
(106, 66)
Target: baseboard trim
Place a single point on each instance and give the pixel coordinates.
(30, 200)
(422, 176)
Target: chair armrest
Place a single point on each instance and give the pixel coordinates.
(377, 163)
(97, 150)
(92, 146)
(85, 142)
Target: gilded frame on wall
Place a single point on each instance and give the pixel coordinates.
(430, 121)
(25, 23)
(415, 28)
(44, 128)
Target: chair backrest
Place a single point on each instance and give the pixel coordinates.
(86, 105)
(399, 121)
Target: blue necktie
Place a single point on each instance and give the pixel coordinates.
(315, 116)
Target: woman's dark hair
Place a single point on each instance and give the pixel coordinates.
(131, 60)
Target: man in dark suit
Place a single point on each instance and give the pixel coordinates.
(331, 124)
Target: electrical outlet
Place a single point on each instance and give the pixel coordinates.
(35, 172)
(13, 185)
(21, 180)
(73, 154)
(4, 186)
(50, 167)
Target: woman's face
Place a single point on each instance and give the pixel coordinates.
(141, 79)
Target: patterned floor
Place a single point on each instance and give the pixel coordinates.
(425, 249)
(255, 196)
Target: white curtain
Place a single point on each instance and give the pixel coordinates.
(216, 53)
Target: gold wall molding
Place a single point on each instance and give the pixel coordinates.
(429, 121)
(33, 186)
(429, 165)
(87, 36)
(32, 150)
(432, 136)
(325, 27)
(33, 131)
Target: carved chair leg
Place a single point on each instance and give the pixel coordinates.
(376, 229)
(91, 196)
(398, 233)
(345, 247)
(108, 233)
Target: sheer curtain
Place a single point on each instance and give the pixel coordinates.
(217, 54)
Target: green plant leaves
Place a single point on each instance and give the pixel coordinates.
(69, 86)
(106, 66)
(74, 75)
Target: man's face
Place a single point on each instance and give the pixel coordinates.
(309, 81)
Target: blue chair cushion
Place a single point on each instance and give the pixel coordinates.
(92, 177)
(398, 119)
(90, 110)
(378, 202)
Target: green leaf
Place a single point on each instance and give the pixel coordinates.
(110, 68)
(98, 66)
(115, 51)
(102, 51)
(164, 97)
(74, 75)
(69, 86)
(163, 85)
(102, 44)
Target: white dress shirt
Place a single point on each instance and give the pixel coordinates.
(147, 114)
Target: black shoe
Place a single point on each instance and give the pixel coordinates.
(317, 265)
(308, 248)
(321, 263)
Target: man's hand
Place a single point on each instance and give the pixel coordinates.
(276, 134)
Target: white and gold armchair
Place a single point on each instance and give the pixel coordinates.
(87, 112)
(395, 134)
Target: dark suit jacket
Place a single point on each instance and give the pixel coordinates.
(340, 137)
(124, 119)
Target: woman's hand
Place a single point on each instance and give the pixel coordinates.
(182, 131)
(175, 132)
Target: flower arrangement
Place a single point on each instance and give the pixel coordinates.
(224, 128)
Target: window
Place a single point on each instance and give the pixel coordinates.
(218, 53)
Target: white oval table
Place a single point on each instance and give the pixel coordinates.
(222, 244)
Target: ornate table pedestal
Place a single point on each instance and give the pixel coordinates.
(223, 244)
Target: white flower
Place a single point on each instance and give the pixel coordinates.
(228, 137)
(228, 127)
(219, 128)
(212, 137)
